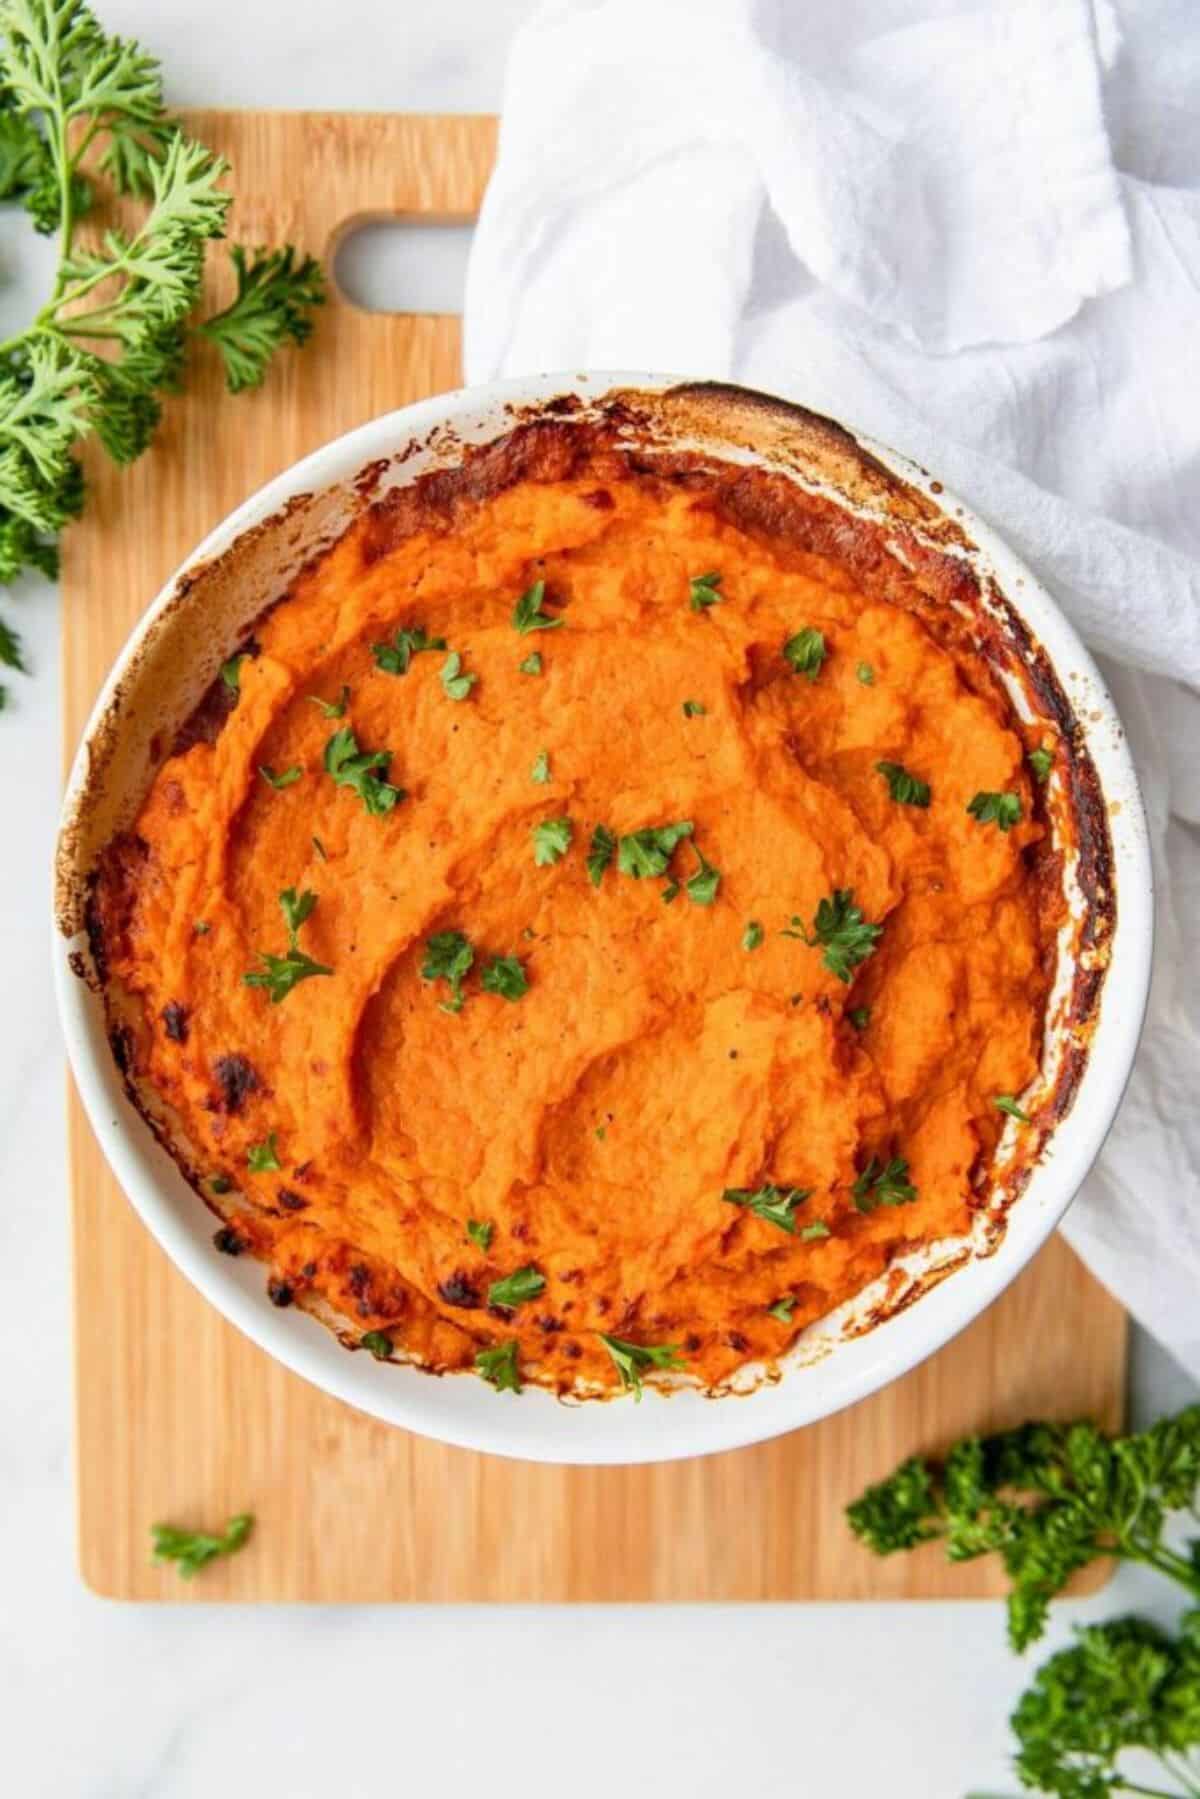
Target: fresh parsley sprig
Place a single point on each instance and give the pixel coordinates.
(1047, 1499)
(192, 1550)
(449, 956)
(80, 107)
(279, 974)
(774, 1205)
(362, 771)
(1001, 809)
(905, 788)
(631, 1360)
(841, 932)
(410, 640)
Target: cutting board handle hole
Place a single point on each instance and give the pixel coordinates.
(403, 265)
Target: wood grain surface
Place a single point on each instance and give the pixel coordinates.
(178, 1416)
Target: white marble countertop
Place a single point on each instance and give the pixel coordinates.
(101, 1699)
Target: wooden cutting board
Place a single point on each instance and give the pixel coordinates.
(179, 1417)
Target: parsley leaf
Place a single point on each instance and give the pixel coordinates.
(1122, 1685)
(499, 1367)
(279, 974)
(632, 1359)
(774, 1205)
(814, 1232)
(806, 652)
(231, 672)
(859, 1016)
(285, 779)
(480, 1232)
(646, 853)
(528, 614)
(331, 708)
(551, 840)
(455, 684)
(448, 957)
(505, 976)
(752, 936)
(1004, 1102)
(840, 930)
(276, 294)
(704, 591)
(192, 1550)
(883, 1184)
(694, 709)
(866, 674)
(263, 1158)
(516, 1288)
(904, 788)
(540, 772)
(1048, 1498)
(604, 846)
(362, 772)
(782, 1309)
(394, 658)
(111, 338)
(701, 889)
(1041, 761)
(379, 1344)
(1003, 809)
(532, 664)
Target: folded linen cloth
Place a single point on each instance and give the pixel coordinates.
(919, 225)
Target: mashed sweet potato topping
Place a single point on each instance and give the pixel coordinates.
(589, 929)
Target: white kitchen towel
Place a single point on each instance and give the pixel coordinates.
(972, 229)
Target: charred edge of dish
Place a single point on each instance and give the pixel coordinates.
(915, 1287)
(70, 878)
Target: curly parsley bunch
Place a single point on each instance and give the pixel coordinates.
(81, 111)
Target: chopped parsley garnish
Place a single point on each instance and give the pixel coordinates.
(694, 709)
(883, 1184)
(516, 1288)
(281, 780)
(220, 1183)
(782, 1309)
(631, 1359)
(904, 788)
(532, 664)
(231, 672)
(774, 1205)
(701, 889)
(814, 1232)
(279, 974)
(866, 674)
(455, 684)
(806, 652)
(499, 1367)
(505, 976)
(752, 936)
(647, 852)
(202, 927)
(192, 1550)
(705, 592)
(528, 615)
(394, 658)
(1003, 809)
(362, 771)
(840, 930)
(480, 1231)
(860, 1017)
(540, 771)
(1004, 1102)
(1041, 761)
(331, 708)
(601, 853)
(551, 840)
(448, 957)
(263, 1158)
(379, 1344)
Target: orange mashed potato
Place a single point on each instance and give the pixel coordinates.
(647, 1094)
